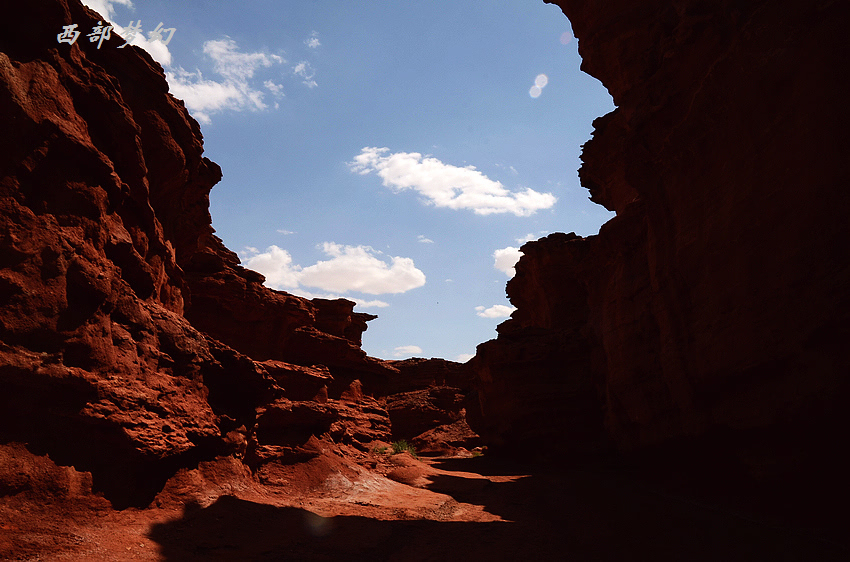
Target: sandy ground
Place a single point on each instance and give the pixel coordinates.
(396, 507)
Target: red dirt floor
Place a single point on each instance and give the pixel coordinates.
(399, 509)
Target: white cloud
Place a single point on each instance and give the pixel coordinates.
(203, 97)
(351, 268)
(235, 92)
(505, 259)
(495, 311)
(359, 303)
(464, 357)
(424, 240)
(313, 40)
(232, 88)
(157, 49)
(367, 304)
(445, 185)
(357, 268)
(305, 71)
(282, 231)
(234, 65)
(275, 89)
(406, 350)
(276, 264)
(105, 7)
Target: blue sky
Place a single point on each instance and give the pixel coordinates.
(393, 153)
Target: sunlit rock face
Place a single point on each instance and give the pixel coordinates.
(132, 343)
(713, 310)
(98, 366)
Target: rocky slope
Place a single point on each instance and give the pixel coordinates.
(706, 323)
(132, 343)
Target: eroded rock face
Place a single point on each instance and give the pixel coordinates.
(427, 402)
(289, 429)
(447, 439)
(418, 373)
(132, 343)
(98, 366)
(230, 303)
(416, 412)
(712, 311)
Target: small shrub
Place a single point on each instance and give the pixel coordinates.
(380, 450)
(402, 446)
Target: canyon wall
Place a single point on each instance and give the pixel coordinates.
(132, 343)
(707, 321)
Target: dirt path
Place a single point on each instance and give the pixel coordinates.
(442, 509)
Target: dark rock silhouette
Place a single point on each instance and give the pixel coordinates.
(704, 327)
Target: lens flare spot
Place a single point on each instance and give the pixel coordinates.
(535, 91)
(317, 525)
(566, 37)
(541, 81)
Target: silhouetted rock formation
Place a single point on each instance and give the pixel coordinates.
(710, 316)
(536, 385)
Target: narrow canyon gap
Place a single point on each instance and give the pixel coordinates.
(700, 335)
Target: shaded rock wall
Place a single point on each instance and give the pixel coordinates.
(712, 311)
(418, 373)
(535, 383)
(413, 413)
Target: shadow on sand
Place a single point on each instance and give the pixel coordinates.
(572, 515)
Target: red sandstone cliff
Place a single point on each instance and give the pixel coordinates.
(710, 317)
(132, 343)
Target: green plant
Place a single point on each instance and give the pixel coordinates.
(402, 446)
(380, 450)
(476, 454)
